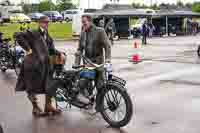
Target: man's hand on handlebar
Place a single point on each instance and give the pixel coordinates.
(29, 52)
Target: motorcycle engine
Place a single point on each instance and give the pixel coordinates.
(85, 86)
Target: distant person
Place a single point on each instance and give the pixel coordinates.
(194, 28)
(151, 30)
(144, 32)
(1, 38)
(130, 31)
(101, 23)
(185, 26)
(1, 19)
(110, 30)
(189, 26)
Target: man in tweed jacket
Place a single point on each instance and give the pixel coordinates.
(93, 43)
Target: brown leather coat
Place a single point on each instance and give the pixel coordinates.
(34, 75)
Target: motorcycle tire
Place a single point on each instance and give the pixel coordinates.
(129, 107)
(198, 51)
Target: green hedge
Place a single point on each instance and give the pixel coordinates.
(56, 30)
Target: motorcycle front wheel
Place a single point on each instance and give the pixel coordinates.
(116, 106)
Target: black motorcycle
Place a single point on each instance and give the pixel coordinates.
(10, 57)
(112, 100)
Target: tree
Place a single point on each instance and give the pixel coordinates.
(46, 6)
(144, 6)
(64, 5)
(136, 5)
(27, 8)
(6, 3)
(180, 4)
(188, 5)
(35, 8)
(155, 7)
(196, 7)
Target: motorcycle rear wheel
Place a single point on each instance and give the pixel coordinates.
(113, 104)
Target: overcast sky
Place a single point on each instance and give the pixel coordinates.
(93, 2)
(99, 3)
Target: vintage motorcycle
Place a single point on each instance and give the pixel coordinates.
(112, 100)
(10, 57)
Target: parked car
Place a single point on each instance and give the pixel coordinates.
(54, 16)
(68, 14)
(35, 16)
(19, 17)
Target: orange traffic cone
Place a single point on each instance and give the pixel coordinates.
(135, 58)
(135, 44)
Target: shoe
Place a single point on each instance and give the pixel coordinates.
(49, 109)
(36, 111)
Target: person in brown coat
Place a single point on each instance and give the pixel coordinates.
(93, 42)
(35, 71)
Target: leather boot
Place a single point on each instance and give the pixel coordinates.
(49, 109)
(37, 111)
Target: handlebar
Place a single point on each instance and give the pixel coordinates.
(90, 62)
(78, 66)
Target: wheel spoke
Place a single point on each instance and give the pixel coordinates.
(120, 98)
(107, 98)
(120, 110)
(119, 114)
(113, 95)
(115, 116)
(109, 112)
